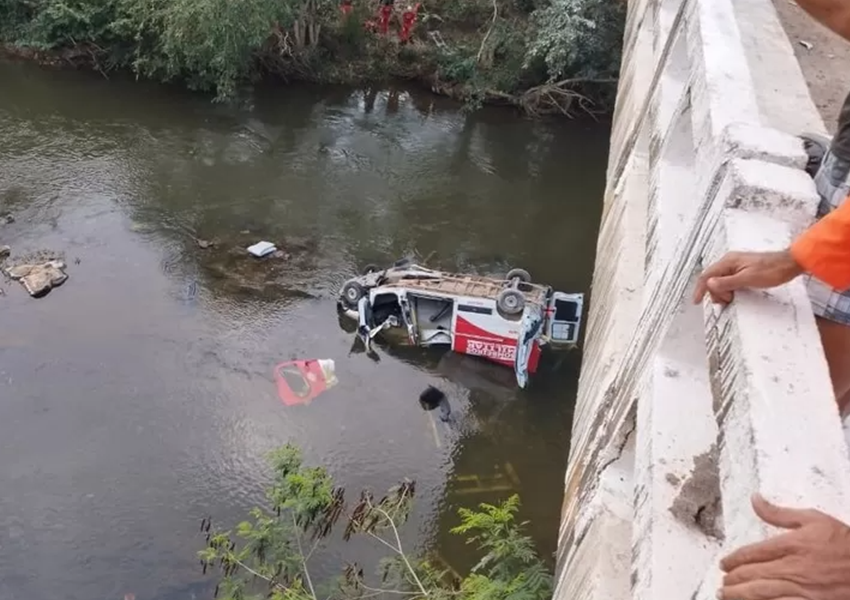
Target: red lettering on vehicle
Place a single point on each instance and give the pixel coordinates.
(501, 352)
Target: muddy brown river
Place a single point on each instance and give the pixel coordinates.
(139, 396)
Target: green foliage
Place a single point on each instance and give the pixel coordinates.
(14, 15)
(467, 11)
(63, 22)
(491, 51)
(351, 35)
(305, 492)
(457, 65)
(508, 72)
(578, 38)
(510, 567)
(268, 556)
(211, 44)
(526, 7)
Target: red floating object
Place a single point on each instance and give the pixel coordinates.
(300, 381)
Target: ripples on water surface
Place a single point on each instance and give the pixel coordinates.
(138, 397)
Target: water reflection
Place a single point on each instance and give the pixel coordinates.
(139, 396)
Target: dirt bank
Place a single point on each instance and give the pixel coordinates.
(826, 65)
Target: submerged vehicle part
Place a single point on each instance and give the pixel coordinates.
(300, 381)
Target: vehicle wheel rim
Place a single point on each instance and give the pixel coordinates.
(510, 302)
(352, 294)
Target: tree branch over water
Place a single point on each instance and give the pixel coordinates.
(264, 557)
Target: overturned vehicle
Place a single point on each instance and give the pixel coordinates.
(507, 321)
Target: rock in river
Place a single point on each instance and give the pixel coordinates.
(41, 278)
(5, 251)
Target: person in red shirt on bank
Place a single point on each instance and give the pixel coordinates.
(408, 18)
(386, 15)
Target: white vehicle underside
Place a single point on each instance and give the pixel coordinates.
(505, 320)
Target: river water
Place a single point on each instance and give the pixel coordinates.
(139, 396)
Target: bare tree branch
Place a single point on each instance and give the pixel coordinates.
(260, 575)
(304, 558)
(489, 31)
(400, 550)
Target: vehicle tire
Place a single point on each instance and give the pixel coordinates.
(520, 274)
(370, 268)
(352, 292)
(510, 302)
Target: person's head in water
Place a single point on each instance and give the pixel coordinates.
(433, 398)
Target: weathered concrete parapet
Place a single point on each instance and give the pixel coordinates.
(684, 411)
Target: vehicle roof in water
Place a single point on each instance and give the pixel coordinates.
(454, 284)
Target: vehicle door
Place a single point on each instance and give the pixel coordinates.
(300, 381)
(563, 318)
(363, 320)
(529, 332)
(408, 318)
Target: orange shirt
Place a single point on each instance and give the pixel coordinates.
(824, 248)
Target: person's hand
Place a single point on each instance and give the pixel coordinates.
(737, 270)
(811, 561)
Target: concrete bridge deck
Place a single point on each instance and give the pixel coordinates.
(684, 411)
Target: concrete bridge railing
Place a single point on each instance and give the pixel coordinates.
(684, 411)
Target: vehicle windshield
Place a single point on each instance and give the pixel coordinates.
(295, 380)
(566, 310)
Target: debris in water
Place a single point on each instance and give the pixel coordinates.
(433, 398)
(8, 219)
(261, 249)
(137, 227)
(806, 45)
(301, 381)
(5, 251)
(204, 244)
(39, 279)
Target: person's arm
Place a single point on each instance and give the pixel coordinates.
(824, 248)
(834, 14)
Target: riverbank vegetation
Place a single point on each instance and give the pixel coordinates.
(542, 55)
(271, 554)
